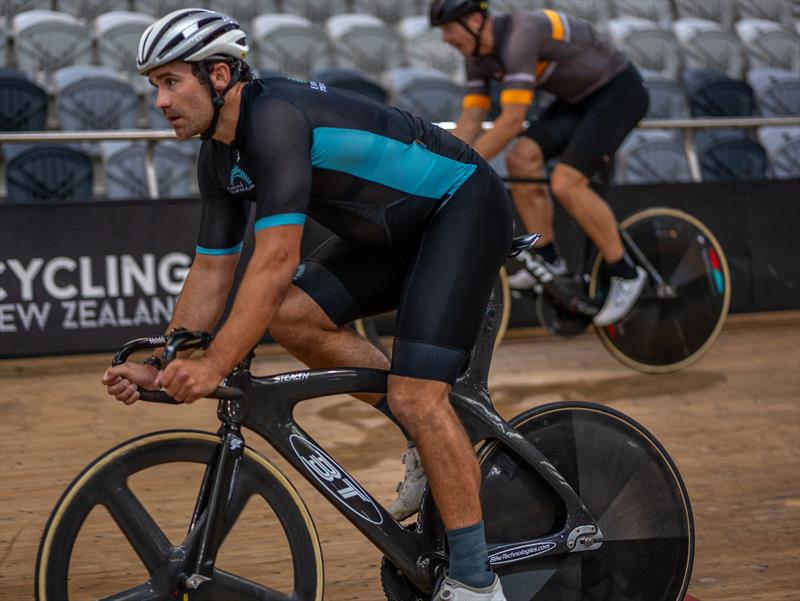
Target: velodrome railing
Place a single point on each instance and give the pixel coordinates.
(152, 137)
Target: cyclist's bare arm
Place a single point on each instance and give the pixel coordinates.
(507, 126)
(468, 126)
(266, 281)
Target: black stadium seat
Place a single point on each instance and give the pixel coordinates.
(712, 93)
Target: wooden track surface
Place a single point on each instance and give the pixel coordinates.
(731, 422)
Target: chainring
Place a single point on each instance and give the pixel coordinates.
(559, 320)
(395, 586)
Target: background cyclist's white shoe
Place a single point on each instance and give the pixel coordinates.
(411, 488)
(622, 294)
(451, 590)
(526, 278)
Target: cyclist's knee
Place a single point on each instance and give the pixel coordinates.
(418, 404)
(566, 183)
(525, 159)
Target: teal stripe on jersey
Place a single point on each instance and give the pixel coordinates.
(281, 219)
(410, 168)
(201, 250)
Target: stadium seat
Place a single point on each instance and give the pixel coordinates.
(783, 147)
(14, 7)
(117, 35)
(658, 11)
(364, 42)
(175, 163)
(594, 11)
(23, 103)
(510, 6)
(424, 92)
(45, 41)
(91, 97)
(89, 9)
(707, 45)
(47, 172)
(3, 42)
(651, 156)
(245, 11)
(667, 98)
(647, 44)
(714, 94)
(777, 91)
(290, 44)
(351, 80)
(730, 154)
(719, 11)
(160, 8)
(779, 11)
(425, 48)
(390, 11)
(317, 11)
(769, 44)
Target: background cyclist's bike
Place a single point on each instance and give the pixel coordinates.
(580, 502)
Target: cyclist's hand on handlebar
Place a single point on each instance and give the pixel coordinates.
(124, 381)
(189, 379)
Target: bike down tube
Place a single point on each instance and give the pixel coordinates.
(267, 409)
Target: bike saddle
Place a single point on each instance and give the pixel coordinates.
(521, 243)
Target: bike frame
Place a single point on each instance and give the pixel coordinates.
(266, 407)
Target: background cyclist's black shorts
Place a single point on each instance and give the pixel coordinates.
(440, 283)
(584, 133)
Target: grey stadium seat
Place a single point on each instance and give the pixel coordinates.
(425, 48)
(779, 11)
(117, 34)
(245, 11)
(667, 98)
(647, 44)
(89, 9)
(510, 6)
(777, 91)
(45, 41)
(317, 11)
(160, 8)
(352, 81)
(714, 94)
(769, 44)
(783, 147)
(10, 8)
(730, 155)
(425, 92)
(364, 42)
(44, 172)
(90, 97)
(175, 163)
(707, 45)
(290, 44)
(651, 156)
(389, 11)
(3, 41)
(719, 11)
(659, 11)
(594, 11)
(23, 103)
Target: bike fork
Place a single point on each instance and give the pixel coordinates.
(215, 495)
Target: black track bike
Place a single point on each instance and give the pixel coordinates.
(580, 502)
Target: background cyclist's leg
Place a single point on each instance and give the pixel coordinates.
(532, 201)
(439, 315)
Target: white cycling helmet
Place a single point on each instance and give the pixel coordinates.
(190, 35)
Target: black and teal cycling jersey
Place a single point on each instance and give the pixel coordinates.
(372, 174)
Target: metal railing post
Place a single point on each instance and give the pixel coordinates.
(150, 169)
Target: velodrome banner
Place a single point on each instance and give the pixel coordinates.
(84, 277)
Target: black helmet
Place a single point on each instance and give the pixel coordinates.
(446, 11)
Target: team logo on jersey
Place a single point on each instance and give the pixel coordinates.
(239, 181)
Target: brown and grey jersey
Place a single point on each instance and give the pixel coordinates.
(546, 50)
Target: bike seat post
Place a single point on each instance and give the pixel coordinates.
(476, 375)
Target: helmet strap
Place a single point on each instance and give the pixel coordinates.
(217, 98)
(475, 34)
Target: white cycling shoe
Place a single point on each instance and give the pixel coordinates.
(451, 590)
(622, 294)
(411, 488)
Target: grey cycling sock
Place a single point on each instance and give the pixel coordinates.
(469, 559)
(383, 407)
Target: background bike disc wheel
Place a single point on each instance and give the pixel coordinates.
(667, 334)
(626, 480)
(121, 532)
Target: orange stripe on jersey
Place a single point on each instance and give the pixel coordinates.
(541, 67)
(477, 101)
(516, 97)
(556, 24)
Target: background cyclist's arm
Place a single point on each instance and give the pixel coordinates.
(507, 126)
